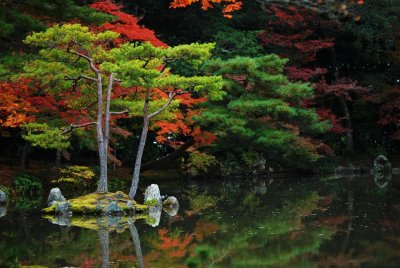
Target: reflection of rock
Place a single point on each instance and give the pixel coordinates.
(113, 209)
(396, 171)
(63, 208)
(152, 193)
(55, 195)
(63, 220)
(154, 216)
(171, 206)
(341, 171)
(382, 171)
(261, 189)
(113, 221)
(3, 197)
(3, 211)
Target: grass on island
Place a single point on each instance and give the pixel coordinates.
(95, 203)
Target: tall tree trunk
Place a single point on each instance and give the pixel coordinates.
(105, 247)
(142, 143)
(58, 158)
(166, 161)
(349, 132)
(136, 244)
(24, 156)
(102, 186)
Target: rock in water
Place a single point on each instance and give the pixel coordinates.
(171, 201)
(3, 211)
(63, 208)
(55, 195)
(129, 204)
(154, 216)
(113, 209)
(171, 206)
(3, 197)
(152, 193)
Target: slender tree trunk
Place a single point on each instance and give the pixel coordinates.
(105, 247)
(349, 132)
(142, 143)
(58, 158)
(24, 157)
(136, 244)
(115, 156)
(102, 186)
(165, 162)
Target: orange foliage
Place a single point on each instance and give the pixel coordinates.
(182, 126)
(14, 107)
(229, 6)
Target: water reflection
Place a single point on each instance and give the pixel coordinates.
(3, 211)
(262, 223)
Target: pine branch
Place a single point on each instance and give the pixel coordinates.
(72, 126)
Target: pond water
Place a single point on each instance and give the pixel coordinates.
(289, 222)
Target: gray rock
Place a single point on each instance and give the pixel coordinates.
(63, 208)
(152, 193)
(171, 206)
(129, 204)
(171, 201)
(55, 195)
(154, 216)
(3, 197)
(113, 209)
(3, 211)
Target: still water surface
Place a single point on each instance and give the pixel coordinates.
(341, 222)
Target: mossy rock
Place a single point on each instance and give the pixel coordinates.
(96, 203)
(110, 223)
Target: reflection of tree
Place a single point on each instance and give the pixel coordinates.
(136, 244)
(104, 237)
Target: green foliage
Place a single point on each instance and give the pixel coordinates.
(42, 135)
(19, 18)
(262, 110)
(75, 177)
(376, 32)
(199, 162)
(232, 42)
(25, 184)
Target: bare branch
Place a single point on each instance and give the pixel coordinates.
(90, 60)
(72, 126)
(120, 112)
(82, 76)
(171, 96)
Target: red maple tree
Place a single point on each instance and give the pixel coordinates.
(300, 34)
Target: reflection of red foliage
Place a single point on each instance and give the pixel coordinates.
(177, 247)
(88, 262)
(204, 229)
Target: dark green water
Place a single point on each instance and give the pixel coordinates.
(346, 222)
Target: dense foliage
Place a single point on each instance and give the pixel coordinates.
(302, 81)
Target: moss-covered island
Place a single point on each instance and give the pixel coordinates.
(96, 204)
